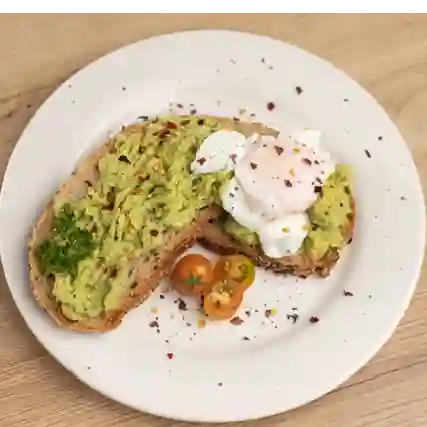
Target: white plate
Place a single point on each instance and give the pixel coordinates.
(215, 374)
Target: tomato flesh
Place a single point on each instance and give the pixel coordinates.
(237, 268)
(223, 300)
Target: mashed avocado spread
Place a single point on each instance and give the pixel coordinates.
(145, 193)
(329, 217)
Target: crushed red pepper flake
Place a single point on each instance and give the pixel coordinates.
(170, 356)
(271, 106)
(237, 321)
(279, 150)
(270, 312)
(182, 305)
(314, 319)
(288, 183)
(171, 125)
(307, 161)
(254, 165)
(201, 161)
(233, 157)
(348, 294)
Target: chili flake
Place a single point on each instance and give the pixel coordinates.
(314, 319)
(201, 161)
(182, 305)
(348, 294)
(270, 312)
(279, 150)
(237, 321)
(170, 356)
(307, 161)
(288, 183)
(253, 165)
(271, 106)
(171, 125)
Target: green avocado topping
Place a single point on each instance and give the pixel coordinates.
(145, 194)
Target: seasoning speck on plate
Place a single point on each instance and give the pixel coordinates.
(299, 90)
(348, 294)
(271, 106)
(314, 319)
(170, 356)
(237, 321)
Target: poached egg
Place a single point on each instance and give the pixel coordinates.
(275, 182)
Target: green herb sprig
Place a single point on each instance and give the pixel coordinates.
(68, 245)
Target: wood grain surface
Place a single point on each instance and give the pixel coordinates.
(387, 54)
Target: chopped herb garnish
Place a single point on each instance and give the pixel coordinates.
(68, 245)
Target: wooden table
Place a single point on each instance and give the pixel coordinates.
(386, 54)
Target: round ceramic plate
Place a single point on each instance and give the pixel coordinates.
(163, 359)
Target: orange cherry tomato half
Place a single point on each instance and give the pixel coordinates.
(192, 275)
(224, 299)
(237, 268)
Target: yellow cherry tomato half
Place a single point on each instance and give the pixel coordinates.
(237, 268)
(223, 300)
(192, 275)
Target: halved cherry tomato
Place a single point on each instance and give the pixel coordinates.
(237, 268)
(192, 275)
(223, 300)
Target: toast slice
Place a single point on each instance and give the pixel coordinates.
(146, 273)
(216, 239)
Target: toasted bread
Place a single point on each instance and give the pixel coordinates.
(146, 275)
(216, 239)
